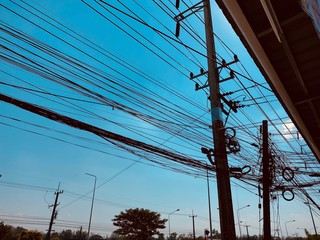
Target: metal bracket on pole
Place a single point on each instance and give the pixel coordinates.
(209, 153)
(197, 88)
(231, 104)
(202, 72)
(225, 64)
(183, 15)
(177, 4)
(228, 78)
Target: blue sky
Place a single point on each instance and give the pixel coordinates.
(147, 96)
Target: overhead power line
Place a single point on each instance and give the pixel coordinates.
(103, 133)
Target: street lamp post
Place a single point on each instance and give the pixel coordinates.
(286, 226)
(238, 215)
(169, 219)
(314, 225)
(209, 202)
(94, 190)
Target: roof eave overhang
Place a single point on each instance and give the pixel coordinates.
(240, 24)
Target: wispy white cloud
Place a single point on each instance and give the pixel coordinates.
(288, 129)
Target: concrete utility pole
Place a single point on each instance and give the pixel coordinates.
(266, 181)
(247, 226)
(220, 154)
(54, 214)
(94, 190)
(193, 226)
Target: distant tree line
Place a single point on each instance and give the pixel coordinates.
(8, 232)
(132, 224)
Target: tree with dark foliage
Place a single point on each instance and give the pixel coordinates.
(138, 224)
(31, 235)
(5, 232)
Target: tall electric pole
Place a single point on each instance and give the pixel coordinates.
(247, 226)
(54, 213)
(266, 181)
(220, 155)
(193, 226)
